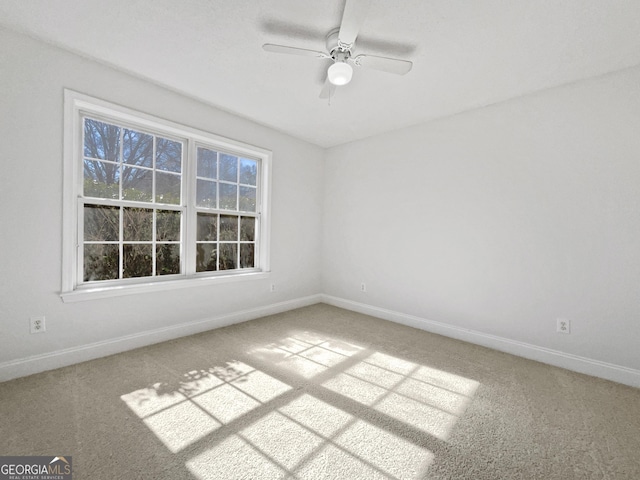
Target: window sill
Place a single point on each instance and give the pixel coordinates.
(96, 293)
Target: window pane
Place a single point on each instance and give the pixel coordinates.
(206, 194)
(167, 259)
(228, 227)
(168, 226)
(101, 262)
(137, 184)
(228, 256)
(207, 227)
(138, 225)
(228, 196)
(137, 261)
(101, 179)
(248, 171)
(246, 255)
(101, 140)
(168, 155)
(207, 163)
(228, 167)
(207, 257)
(137, 148)
(247, 199)
(101, 224)
(247, 229)
(167, 188)
(130, 213)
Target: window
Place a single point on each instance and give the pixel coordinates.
(149, 203)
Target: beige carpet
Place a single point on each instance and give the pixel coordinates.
(321, 392)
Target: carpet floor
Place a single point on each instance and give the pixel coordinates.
(322, 392)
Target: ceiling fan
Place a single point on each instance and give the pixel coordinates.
(340, 45)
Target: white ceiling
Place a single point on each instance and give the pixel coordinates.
(466, 53)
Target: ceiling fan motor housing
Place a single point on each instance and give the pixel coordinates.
(336, 47)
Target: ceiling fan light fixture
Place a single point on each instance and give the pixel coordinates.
(340, 73)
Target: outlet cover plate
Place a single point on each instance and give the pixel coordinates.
(563, 325)
(37, 325)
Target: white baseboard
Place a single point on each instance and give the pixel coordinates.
(69, 356)
(588, 366)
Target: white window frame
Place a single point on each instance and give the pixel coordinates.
(76, 106)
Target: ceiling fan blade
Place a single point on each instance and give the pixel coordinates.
(270, 47)
(355, 11)
(391, 65)
(328, 89)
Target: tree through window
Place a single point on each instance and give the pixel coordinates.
(138, 235)
(156, 201)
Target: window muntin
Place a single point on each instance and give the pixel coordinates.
(131, 203)
(142, 187)
(129, 242)
(225, 183)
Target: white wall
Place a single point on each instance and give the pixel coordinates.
(32, 78)
(500, 220)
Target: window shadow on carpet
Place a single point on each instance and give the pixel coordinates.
(306, 405)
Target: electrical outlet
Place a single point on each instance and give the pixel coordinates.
(563, 325)
(37, 325)
(273, 287)
(363, 287)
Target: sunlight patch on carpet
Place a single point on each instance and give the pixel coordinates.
(366, 414)
(417, 414)
(282, 440)
(260, 386)
(446, 380)
(306, 354)
(384, 450)
(226, 403)
(181, 425)
(306, 439)
(351, 387)
(188, 410)
(234, 458)
(317, 415)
